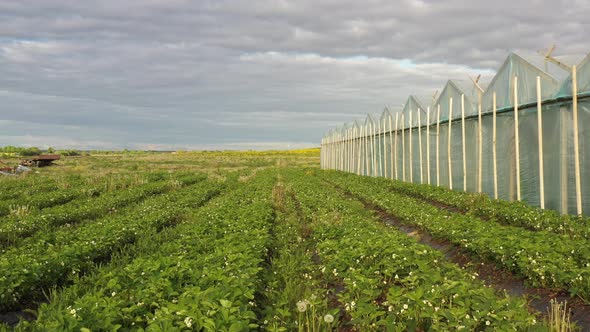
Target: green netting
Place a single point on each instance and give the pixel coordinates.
(526, 72)
(381, 150)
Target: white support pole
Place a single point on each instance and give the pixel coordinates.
(540, 144)
(345, 151)
(391, 147)
(381, 148)
(343, 147)
(350, 149)
(428, 144)
(516, 138)
(384, 157)
(339, 151)
(328, 152)
(411, 159)
(339, 145)
(377, 170)
(322, 154)
(437, 144)
(354, 150)
(367, 150)
(333, 153)
(420, 147)
(403, 148)
(358, 151)
(395, 144)
(326, 165)
(351, 161)
(364, 150)
(494, 156)
(463, 142)
(450, 143)
(480, 144)
(576, 141)
(374, 150)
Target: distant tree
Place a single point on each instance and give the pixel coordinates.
(69, 152)
(50, 150)
(33, 151)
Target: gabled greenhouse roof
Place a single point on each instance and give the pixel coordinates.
(526, 68)
(385, 114)
(357, 124)
(370, 120)
(583, 77)
(454, 89)
(413, 103)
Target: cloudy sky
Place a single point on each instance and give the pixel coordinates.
(242, 74)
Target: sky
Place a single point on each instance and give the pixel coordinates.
(247, 74)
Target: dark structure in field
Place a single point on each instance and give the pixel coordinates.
(41, 161)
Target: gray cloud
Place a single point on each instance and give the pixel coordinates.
(207, 73)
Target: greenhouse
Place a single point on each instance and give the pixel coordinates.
(520, 137)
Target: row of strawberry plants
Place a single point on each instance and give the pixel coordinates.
(19, 187)
(294, 296)
(14, 229)
(201, 275)
(72, 187)
(39, 201)
(545, 259)
(511, 213)
(36, 266)
(392, 281)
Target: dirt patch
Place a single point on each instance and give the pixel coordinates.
(12, 318)
(334, 302)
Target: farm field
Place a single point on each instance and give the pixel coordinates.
(267, 241)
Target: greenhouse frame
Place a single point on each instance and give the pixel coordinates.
(523, 137)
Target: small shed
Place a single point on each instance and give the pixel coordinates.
(41, 160)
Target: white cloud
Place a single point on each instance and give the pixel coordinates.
(215, 72)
